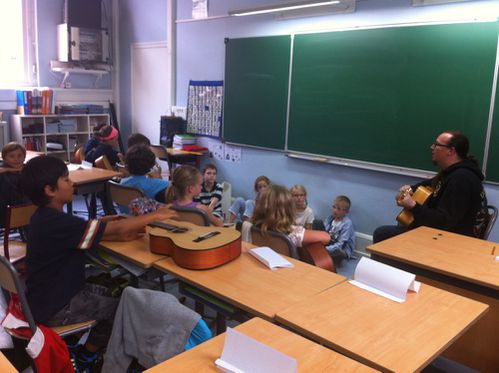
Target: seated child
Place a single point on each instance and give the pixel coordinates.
(185, 185)
(94, 139)
(57, 242)
(304, 214)
(108, 142)
(274, 210)
(160, 169)
(244, 209)
(139, 160)
(13, 155)
(340, 228)
(211, 192)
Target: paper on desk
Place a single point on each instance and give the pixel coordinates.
(385, 280)
(270, 258)
(74, 167)
(244, 354)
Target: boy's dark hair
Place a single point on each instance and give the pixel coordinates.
(37, 174)
(138, 139)
(210, 166)
(139, 159)
(345, 200)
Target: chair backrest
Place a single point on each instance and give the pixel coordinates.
(278, 242)
(192, 215)
(16, 217)
(226, 199)
(103, 162)
(491, 219)
(123, 194)
(79, 155)
(9, 280)
(159, 151)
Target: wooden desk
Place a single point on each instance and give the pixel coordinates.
(90, 181)
(182, 156)
(310, 356)
(5, 365)
(386, 335)
(462, 265)
(136, 251)
(249, 285)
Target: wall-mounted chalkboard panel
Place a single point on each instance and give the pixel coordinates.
(492, 170)
(256, 91)
(383, 95)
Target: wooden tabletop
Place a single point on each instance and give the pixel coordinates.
(310, 356)
(91, 175)
(447, 253)
(386, 335)
(136, 251)
(250, 285)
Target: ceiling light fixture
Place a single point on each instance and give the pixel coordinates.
(282, 7)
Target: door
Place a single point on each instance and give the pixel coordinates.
(151, 79)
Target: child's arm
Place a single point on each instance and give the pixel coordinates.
(311, 236)
(128, 229)
(346, 233)
(9, 169)
(213, 203)
(215, 220)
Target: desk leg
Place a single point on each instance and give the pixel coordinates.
(92, 208)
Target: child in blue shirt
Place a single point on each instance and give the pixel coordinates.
(340, 228)
(139, 160)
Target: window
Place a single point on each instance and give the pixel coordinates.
(17, 37)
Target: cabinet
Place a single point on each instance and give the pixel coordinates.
(58, 135)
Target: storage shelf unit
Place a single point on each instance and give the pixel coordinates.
(71, 131)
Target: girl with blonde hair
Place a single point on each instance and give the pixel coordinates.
(275, 210)
(304, 214)
(186, 184)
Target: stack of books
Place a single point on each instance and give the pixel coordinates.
(182, 140)
(36, 101)
(80, 109)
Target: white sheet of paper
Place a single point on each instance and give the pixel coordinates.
(384, 280)
(85, 164)
(74, 167)
(244, 354)
(270, 258)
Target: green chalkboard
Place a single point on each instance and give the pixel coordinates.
(383, 95)
(256, 91)
(492, 170)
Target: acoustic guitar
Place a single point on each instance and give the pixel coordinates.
(420, 196)
(193, 246)
(317, 255)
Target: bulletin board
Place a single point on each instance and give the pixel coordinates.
(204, 108)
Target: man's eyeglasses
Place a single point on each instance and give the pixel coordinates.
(435, 144)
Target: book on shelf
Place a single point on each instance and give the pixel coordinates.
(35, 102)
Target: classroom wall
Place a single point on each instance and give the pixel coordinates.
(139, 21)
(49, 14)
(200, 56)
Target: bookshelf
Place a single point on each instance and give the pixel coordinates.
(38, 132)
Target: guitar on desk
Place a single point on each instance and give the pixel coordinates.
(193, 246)
(420, 196)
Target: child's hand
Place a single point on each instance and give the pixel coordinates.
(112, 218)
(10, 169)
